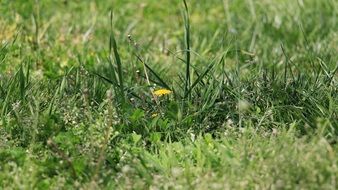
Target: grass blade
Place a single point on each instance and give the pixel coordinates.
(22, 82)
(187, 50)
(113, 46)
(160, 80)
(200, 78)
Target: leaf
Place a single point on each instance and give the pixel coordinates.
(136, 138)
(137, 115)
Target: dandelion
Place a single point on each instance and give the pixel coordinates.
(162, 92)
(154, 115)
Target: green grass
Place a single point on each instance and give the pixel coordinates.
(254, 102)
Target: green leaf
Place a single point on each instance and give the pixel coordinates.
(137, 115)
(136, 138)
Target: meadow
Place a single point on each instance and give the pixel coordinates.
(168, 94)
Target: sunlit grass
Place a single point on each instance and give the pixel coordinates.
(172, 95)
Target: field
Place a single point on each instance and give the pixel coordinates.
(170, 94)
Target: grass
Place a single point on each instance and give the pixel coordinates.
(251, 97)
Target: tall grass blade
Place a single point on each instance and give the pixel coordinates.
(117, 85)
(287, 66)
(22, 82)
(118, 61)
(187, 50)
(160, 80)
(200, 78)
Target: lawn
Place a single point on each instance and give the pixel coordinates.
(170, 94)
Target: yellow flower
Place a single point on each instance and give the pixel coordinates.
(162, 92)
(154, 115)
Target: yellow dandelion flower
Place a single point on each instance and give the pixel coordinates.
(162, 92)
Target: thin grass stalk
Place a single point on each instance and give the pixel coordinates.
(113, 46)
(187, 51)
